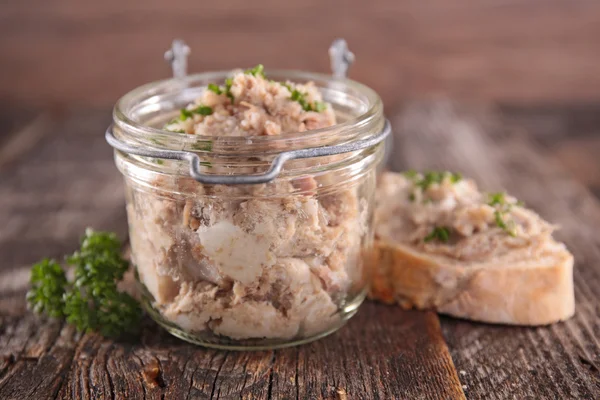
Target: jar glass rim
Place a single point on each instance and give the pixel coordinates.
(362, 123)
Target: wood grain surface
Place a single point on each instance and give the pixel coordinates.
(81, 52)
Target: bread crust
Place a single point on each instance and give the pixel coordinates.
(531, 292)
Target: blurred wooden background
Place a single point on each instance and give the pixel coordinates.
(538, 59)
(66, 52)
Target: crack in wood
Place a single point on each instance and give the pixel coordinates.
(214, 385)
(297, 374)
(270, 387)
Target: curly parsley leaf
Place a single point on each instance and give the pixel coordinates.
(91, 301)
(48, 281)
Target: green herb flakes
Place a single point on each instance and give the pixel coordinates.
(215, 88)
(259, 71)
(426, 180)
(228, 84)
(508, 227)
(300, 97)
(498, 201)
(319, 106)
(438, 233)
(200, 110)
(184, 114)
(411, 174)
(495, 199)
(226, 90)
(436, 177)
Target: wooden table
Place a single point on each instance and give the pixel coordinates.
(57, 176)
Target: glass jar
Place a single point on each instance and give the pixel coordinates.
(249, 266)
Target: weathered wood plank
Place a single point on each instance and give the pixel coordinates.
(560, 361)
(72, 183)
(383, 353)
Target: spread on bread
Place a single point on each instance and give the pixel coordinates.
(441, 242)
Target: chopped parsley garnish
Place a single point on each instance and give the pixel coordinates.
(502, 224)
(185, 114)
(411, 174)
(259, 71)
(498, 201)
(455, 177)
(436, 177)
(203, 110)
(226, 90)
(200, 110)
(412, 197)
(440, 233)
(215, 88)
(300, 97)
(424, 181)
(319, 106)
(91, 301)
(228, 83)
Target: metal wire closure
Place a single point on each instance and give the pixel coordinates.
(273, 171)
(341, 59)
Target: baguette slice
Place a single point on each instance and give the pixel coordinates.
(528, 291)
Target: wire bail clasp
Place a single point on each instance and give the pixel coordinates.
(341, 58)
(177, 56)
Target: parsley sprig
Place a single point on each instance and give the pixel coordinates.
(48, 281)
(91, 301)
(440, 233)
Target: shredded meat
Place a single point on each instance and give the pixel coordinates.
(466, 212)
(276, 260)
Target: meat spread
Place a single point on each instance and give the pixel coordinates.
(232, 261)
(445, 215)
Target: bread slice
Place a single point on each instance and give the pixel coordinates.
(535, 290)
